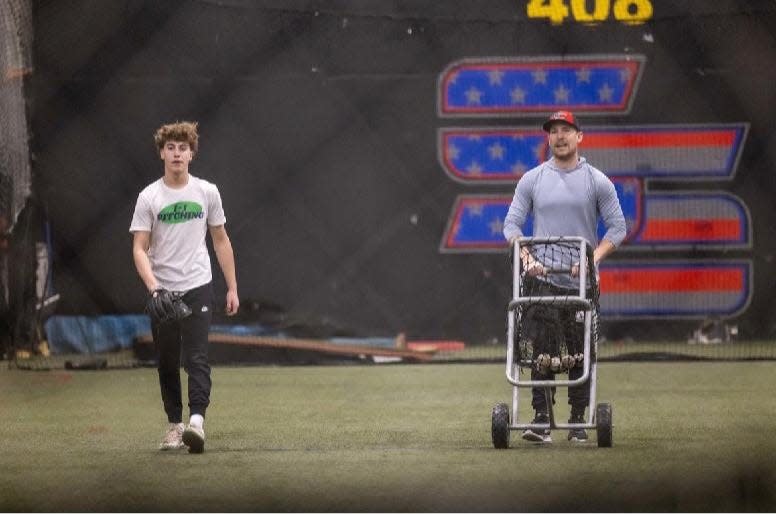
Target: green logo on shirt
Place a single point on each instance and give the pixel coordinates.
(180, 212)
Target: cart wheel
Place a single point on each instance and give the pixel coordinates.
(603, 425)
(500, 427)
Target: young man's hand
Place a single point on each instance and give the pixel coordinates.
(232, 303)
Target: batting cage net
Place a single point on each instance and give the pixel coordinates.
(15, 170)
(15, 67)
(367, 153)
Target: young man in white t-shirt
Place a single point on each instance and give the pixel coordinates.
(172, 218)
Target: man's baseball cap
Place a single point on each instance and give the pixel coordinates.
(562, 116)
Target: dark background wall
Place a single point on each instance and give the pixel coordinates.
(318, 123)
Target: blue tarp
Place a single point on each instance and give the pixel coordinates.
(377, 342)
(97, 334)
(245, 330)
(94, 334)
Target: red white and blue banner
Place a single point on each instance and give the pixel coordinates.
(635, 157)
(674, 152)
(678, 220)
(499, 155)
(705, 219)
(681, 289)
(530, 86)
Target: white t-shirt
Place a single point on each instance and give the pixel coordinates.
(178, 220)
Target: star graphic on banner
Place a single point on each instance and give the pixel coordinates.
(474, 209)
(518, 168)
(495, 76)
(625, 74)
(473, 96)
(474, 169)
(452, 152)
(496, 151)
(605, 93)
(583, 75)
(539, 77)
(496, 226)
(629, 188)
(561, 95)
(518, 95)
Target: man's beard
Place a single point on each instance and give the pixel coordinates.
(564, 154)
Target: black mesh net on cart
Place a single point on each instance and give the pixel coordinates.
(550, 328)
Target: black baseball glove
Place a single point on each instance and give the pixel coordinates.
(164, 306)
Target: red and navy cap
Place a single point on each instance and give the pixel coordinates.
(563, 117)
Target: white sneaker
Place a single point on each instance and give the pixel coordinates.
(173, 438)
(194, 438)
(538, 435)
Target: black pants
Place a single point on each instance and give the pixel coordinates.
(548, 326)
(186, 339)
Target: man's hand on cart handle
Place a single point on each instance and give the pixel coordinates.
(531, 266)
(535, 268)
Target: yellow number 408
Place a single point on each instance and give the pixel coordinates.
(632, 12)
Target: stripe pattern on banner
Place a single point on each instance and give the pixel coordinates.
(665, 220)
(676, 152)
(682, 289)
(476, 222)
(684, 219)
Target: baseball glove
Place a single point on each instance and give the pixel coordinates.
(164, 306)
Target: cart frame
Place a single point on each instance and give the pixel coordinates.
(582, 303)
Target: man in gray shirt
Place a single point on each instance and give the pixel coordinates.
(566, 196)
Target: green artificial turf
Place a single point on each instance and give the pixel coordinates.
(687, 437)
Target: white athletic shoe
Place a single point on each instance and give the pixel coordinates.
(173, 438)
(538, 435)
(194, 438)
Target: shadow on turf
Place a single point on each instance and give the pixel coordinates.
(746, 489)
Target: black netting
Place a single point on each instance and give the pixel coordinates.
(15, 66)
(550, 319)
(15, 168)
(322, 123)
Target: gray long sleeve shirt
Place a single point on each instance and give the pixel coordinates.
(566, 203)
